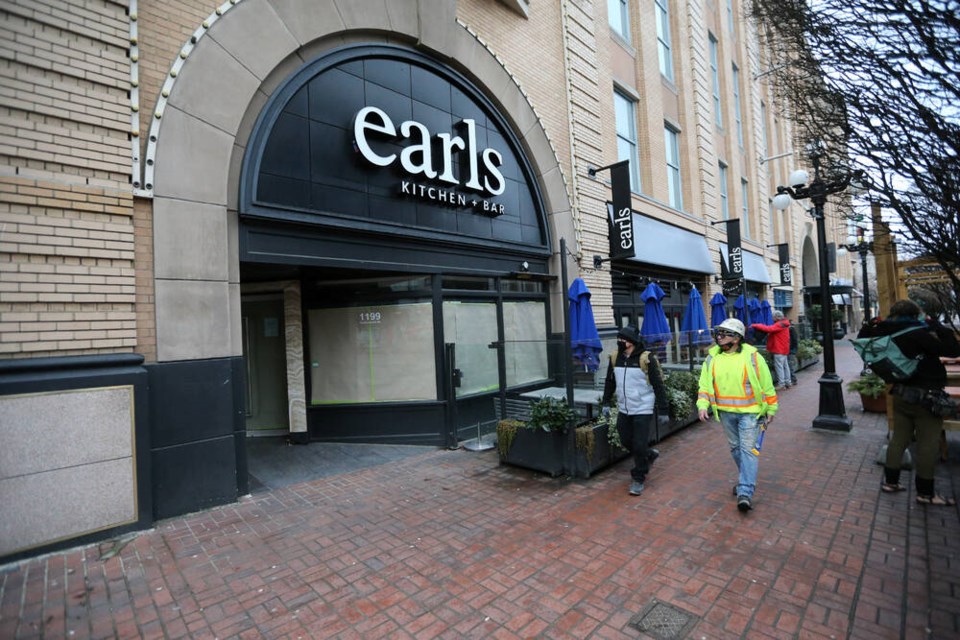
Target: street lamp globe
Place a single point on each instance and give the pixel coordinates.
(798, 178)
(781, 201)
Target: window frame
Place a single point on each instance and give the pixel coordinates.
(724, 179)
(674, 173)
(737, 110)
(619, 10)
(661, 10)
(745, 207)
(715, 71)
(632, 141)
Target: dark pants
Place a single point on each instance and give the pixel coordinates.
(635, 436)
(913, 421)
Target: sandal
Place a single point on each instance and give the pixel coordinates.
(936, 500)
(892, 488)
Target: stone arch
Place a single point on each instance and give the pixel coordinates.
(240, 60)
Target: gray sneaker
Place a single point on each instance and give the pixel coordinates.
(636, 488)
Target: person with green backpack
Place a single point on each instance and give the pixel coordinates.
(905, 351)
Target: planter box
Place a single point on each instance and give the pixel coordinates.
(662, 431)
(587, 459)
(803, 364)
(538, 450)
(874, 405)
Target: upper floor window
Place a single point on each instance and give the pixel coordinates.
(737, 113)
(664, 48)
(724, 191)
(625, 112)
(618, 14)
(730, 23)
(745, 207)
(715, 73)
(674, 184)
(764, 132)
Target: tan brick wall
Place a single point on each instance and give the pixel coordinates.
(66, 269)
(66, 227)
(65, 74)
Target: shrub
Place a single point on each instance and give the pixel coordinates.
(682, 392)
(807, 349)
(869, 384)
(551, 414)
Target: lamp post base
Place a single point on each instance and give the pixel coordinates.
(833, 414)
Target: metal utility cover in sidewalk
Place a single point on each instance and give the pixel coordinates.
(663, 621)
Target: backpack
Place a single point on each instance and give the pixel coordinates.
(884, 357)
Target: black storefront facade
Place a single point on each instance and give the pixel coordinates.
(399, 200)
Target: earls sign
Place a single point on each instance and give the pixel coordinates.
(433, 158)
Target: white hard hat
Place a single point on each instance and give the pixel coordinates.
(733, 325)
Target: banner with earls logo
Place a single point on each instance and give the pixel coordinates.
(622, 242)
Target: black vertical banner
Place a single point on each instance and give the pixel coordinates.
(734, 251)
(621, 221)
(786, 277)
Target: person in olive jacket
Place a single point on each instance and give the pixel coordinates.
(929, 341)
(637, 379)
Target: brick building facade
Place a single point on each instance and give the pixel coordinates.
(195, 246)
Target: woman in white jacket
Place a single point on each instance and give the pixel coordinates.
(637, 379)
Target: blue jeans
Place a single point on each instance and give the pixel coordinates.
(741, 430)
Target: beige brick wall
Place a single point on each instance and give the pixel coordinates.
(66, 269)
(66, 225)
(65, 74)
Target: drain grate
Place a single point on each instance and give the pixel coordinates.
(663, 621)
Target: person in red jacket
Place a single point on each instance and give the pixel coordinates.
(778, 344)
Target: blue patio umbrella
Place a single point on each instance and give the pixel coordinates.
(655, 326)
(766, 312)
(584, 338)
(740, 309)
(695, 320)
(718, 309)
(756, 313)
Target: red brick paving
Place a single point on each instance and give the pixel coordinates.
(449, 544)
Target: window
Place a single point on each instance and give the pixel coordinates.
(745, 207)
(618, 14)
(765, 145)
(663, 39)
(625, 112)
(674, 185)
(715, 72)
(730, 23)
(373, 347)
(724, 192)
(736, 104)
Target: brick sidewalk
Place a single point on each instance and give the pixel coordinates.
(449, 544)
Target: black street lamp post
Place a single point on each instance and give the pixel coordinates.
(833, 415)
(856, 244)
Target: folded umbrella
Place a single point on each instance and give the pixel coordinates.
(584, 338)
(655, 326)
(694, 320)
(718, 309)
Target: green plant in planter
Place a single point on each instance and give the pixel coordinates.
(682, 392)
(551, 414)
(869, 384)
(506, 432)
(808, 349)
